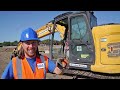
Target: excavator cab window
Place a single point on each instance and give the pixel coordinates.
(79, 29)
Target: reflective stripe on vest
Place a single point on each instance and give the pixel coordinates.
(43, 61)
(19, 68)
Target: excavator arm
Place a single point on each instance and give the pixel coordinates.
(48, 29)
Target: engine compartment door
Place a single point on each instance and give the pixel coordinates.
(110, 49)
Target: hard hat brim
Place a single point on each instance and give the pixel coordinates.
(30, 39)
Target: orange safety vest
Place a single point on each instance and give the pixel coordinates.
(22, 69)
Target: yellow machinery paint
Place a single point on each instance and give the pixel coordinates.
(107, 48)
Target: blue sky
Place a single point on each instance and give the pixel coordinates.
(12, 23)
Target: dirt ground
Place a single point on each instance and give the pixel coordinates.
(5, 53)
(4, 58)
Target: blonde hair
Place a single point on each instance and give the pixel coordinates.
(21, 53)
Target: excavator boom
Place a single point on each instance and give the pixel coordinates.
(48, 29)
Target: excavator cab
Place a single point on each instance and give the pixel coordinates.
(78, 45)
(81, 44)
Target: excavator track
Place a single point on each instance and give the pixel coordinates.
(70, 73)
(77, 74)
(83, 74)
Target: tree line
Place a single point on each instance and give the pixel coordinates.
(8, 43)
(48, 42)
(15, 43)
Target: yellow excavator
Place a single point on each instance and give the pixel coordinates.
(86, 45)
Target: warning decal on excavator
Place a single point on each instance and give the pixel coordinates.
(103, 39)
(114, 49)
(78, 65)
(84, 55)
(79, 48)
